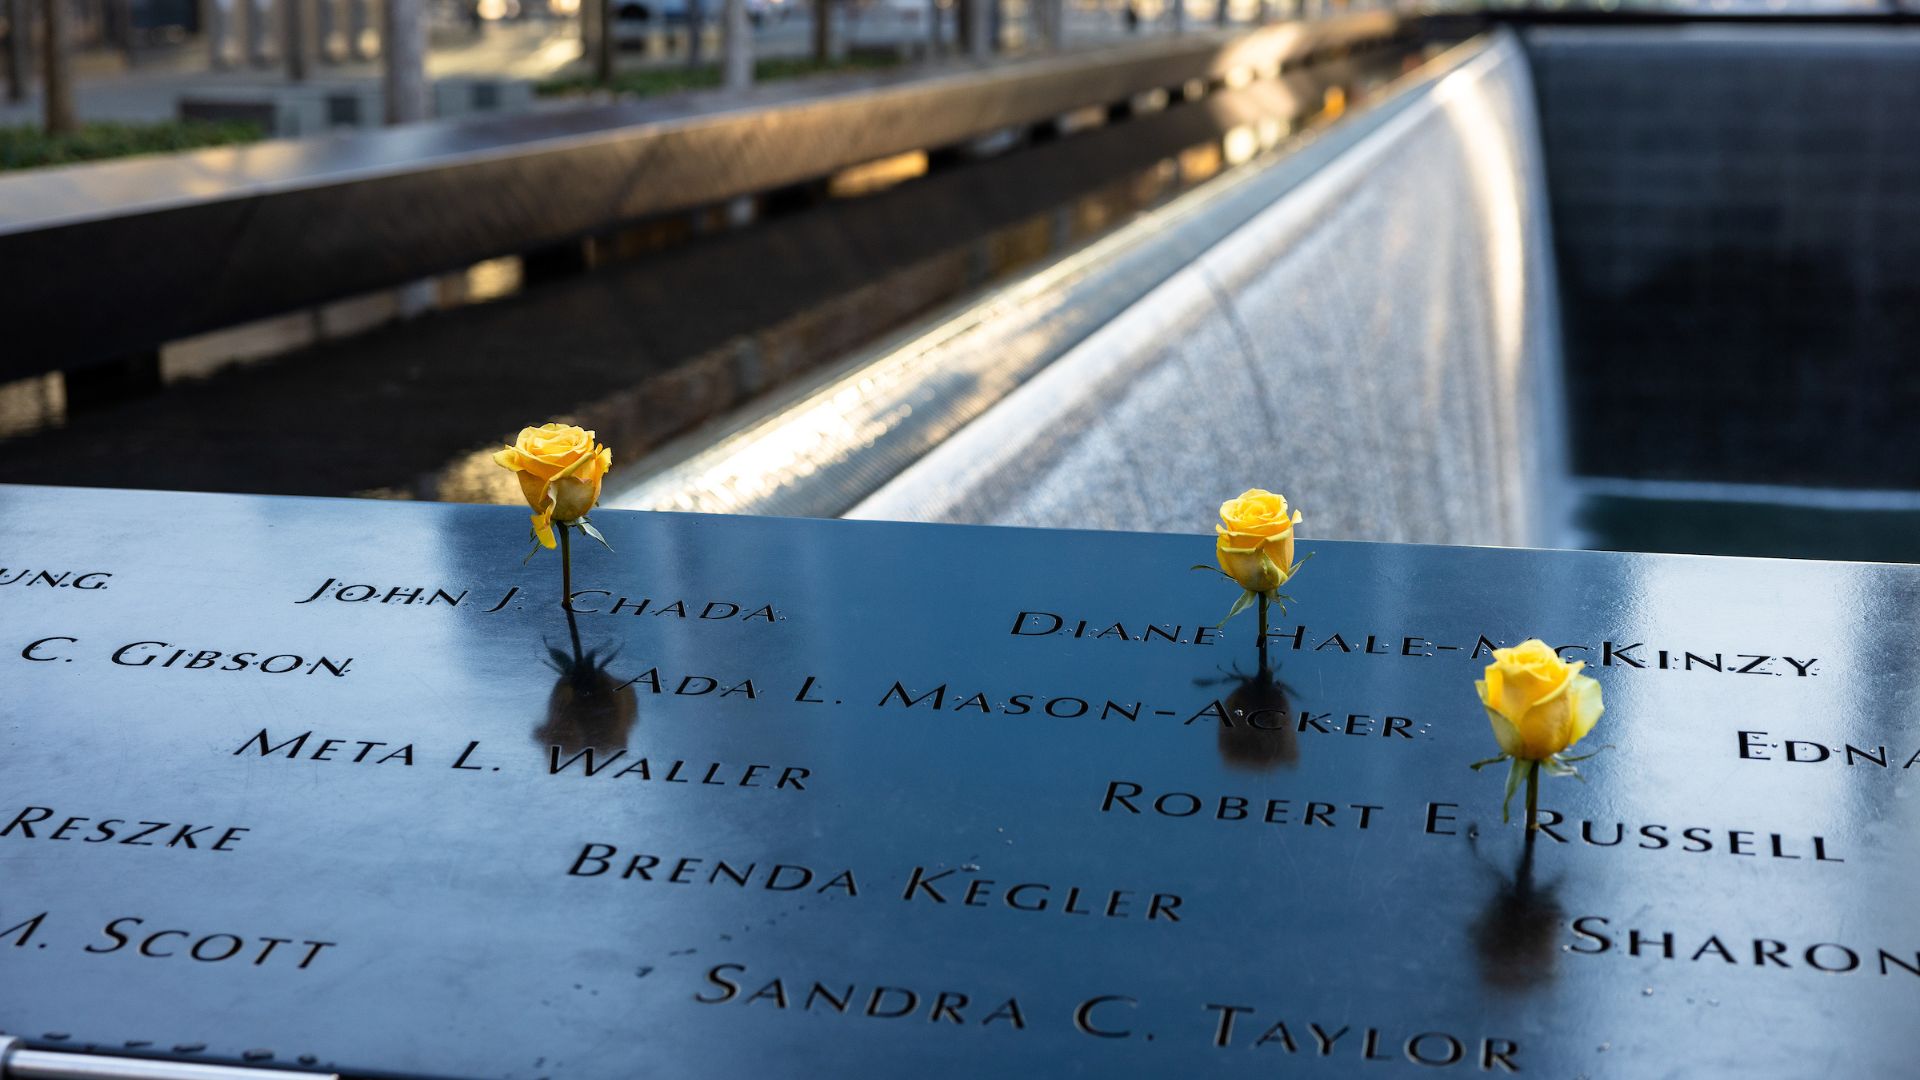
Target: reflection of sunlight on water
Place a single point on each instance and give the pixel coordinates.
(1467, 105)
(1464, 101)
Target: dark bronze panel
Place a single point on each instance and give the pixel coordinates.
(1731, 893)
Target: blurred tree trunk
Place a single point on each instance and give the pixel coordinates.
(19, 31)
(325, 22)
(256, 30)
(822, 31)
(696, 32)
(357, 29)
(403, 59)
(217, 24)
(54, 65)
(980, 27)
(736, 46)
(293, 38)
(603, 43)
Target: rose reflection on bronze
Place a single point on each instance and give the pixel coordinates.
(1257, 732)
(589, 706)
(1517, 937)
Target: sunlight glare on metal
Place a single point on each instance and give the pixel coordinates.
(1199, 162)
(1241, 144)
(493, 278)
(877, 175)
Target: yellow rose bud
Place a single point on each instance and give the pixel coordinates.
(1254, 545)
(1538, 703)
(560, 469)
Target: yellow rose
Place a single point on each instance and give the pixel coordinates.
(1255, 542)
(560, 469)
(1539, 704)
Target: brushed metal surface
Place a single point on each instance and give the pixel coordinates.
(20, 1064)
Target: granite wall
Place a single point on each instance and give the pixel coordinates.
(1737, 217)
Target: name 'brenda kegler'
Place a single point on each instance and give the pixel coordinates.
(923, 887)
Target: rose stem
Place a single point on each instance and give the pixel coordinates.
(1533, 794)
(566, 567)
(573, 631)
(1263, 624)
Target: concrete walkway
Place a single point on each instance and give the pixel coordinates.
(106, 88)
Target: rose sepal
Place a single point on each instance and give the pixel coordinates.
(1517, 772)
(586, 526)
(1517, 769)
(1561, 765)
(1248, 596)
(1288, 576)
(582, 524)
